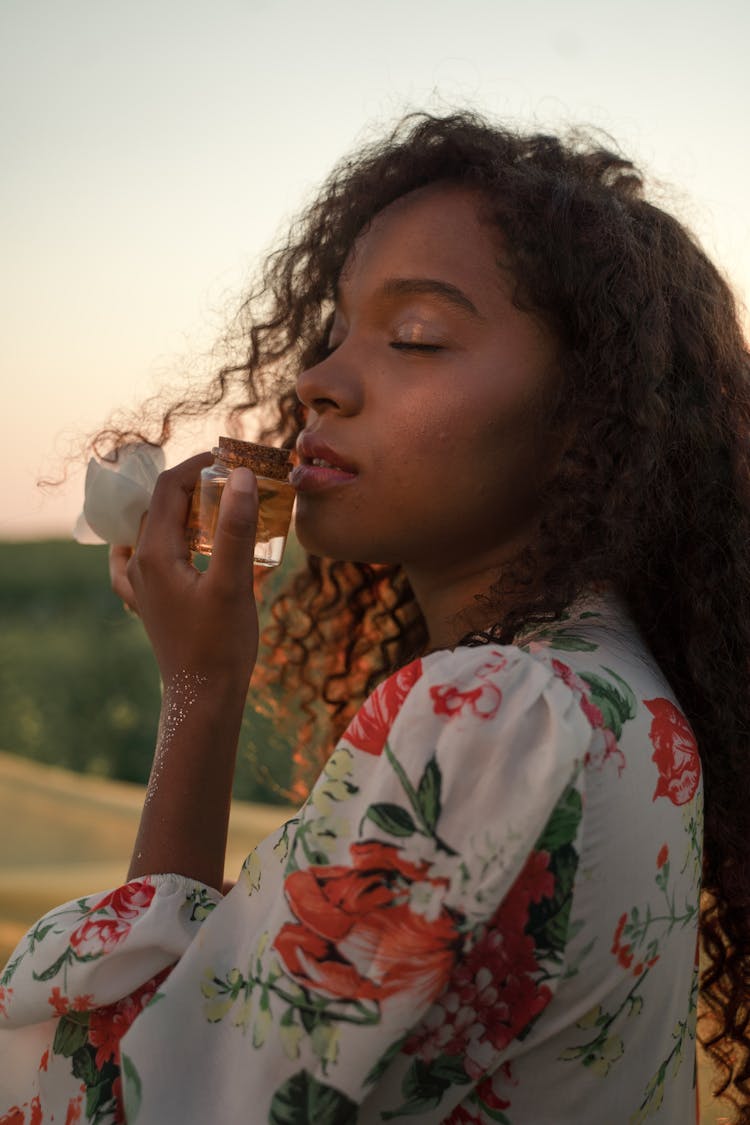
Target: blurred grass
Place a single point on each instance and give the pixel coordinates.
(63, 835)
(79, 686)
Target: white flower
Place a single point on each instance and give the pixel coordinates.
(426, 899)
(117, 493)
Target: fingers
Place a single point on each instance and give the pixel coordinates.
(164, 529)
(232, 558)
(119, 557)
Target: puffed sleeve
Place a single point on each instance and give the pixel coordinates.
(77, 980)
(327, 984)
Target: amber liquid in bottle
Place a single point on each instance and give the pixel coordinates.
(275, 502)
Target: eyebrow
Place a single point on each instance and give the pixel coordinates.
(429, 287)
(419, 287)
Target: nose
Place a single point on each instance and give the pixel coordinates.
(331, 385)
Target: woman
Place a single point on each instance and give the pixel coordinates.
(519, 398)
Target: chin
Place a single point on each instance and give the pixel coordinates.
(340, 548)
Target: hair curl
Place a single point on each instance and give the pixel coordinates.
(652, 493)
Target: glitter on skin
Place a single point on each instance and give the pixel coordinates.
(179, 696)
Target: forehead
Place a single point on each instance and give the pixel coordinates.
(435, 232)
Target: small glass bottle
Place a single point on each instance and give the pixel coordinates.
(275, 498)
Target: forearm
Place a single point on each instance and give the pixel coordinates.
(185, 817)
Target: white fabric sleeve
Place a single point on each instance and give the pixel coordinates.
(103, 946)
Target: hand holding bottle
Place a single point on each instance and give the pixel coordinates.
(204, 631)
(204, 622)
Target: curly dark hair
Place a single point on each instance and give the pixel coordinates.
(652, 492)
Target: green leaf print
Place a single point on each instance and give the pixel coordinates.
(431, 785)
(450, 1069)
(428, 794)
(616, 706)
(385, 1061)
(97, 1097)
(562, 634)
(64, 959)
(84, 1066)
(71, 1035)
(424, 1085)
(392, 819)
(132, 1088)
(569, 642)
(302, 1100)
(549, 920)
(562, 826)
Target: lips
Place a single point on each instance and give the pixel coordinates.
(320, 466)
(312, 448)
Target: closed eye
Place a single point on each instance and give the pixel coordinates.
(405, 345)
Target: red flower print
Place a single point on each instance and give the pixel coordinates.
(623, 953)
(44, 1063)
(357, 936)
(106, 1029)
(488, 1097)
(675, 752)
(59, 1003)
(97, 936)
(492, 667)
(17, 1116)
(108, 1025)
(128, 901)
(14, 1116)
(462, 1116)
(493, 993)
(618, 932)
(369, 728)
(662, 857)
(483, 701)
(119, 1118)
(569, 677)
(625, 956)
(5, 997)
(73, 1115)
(606, 749)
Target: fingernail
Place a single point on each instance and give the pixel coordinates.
(241, 479)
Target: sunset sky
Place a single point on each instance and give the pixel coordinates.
(153, 150)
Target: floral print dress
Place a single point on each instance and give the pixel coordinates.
(485, 912)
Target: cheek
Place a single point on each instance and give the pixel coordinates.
(467, 431)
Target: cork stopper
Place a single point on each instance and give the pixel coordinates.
(264, 460)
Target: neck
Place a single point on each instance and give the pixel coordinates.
(454, 601)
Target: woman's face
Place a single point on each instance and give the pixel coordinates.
(429, 405)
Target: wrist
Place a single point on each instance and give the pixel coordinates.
(200, 711)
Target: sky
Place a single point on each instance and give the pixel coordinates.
(154, 151)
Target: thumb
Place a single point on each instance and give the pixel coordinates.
(234, 538)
